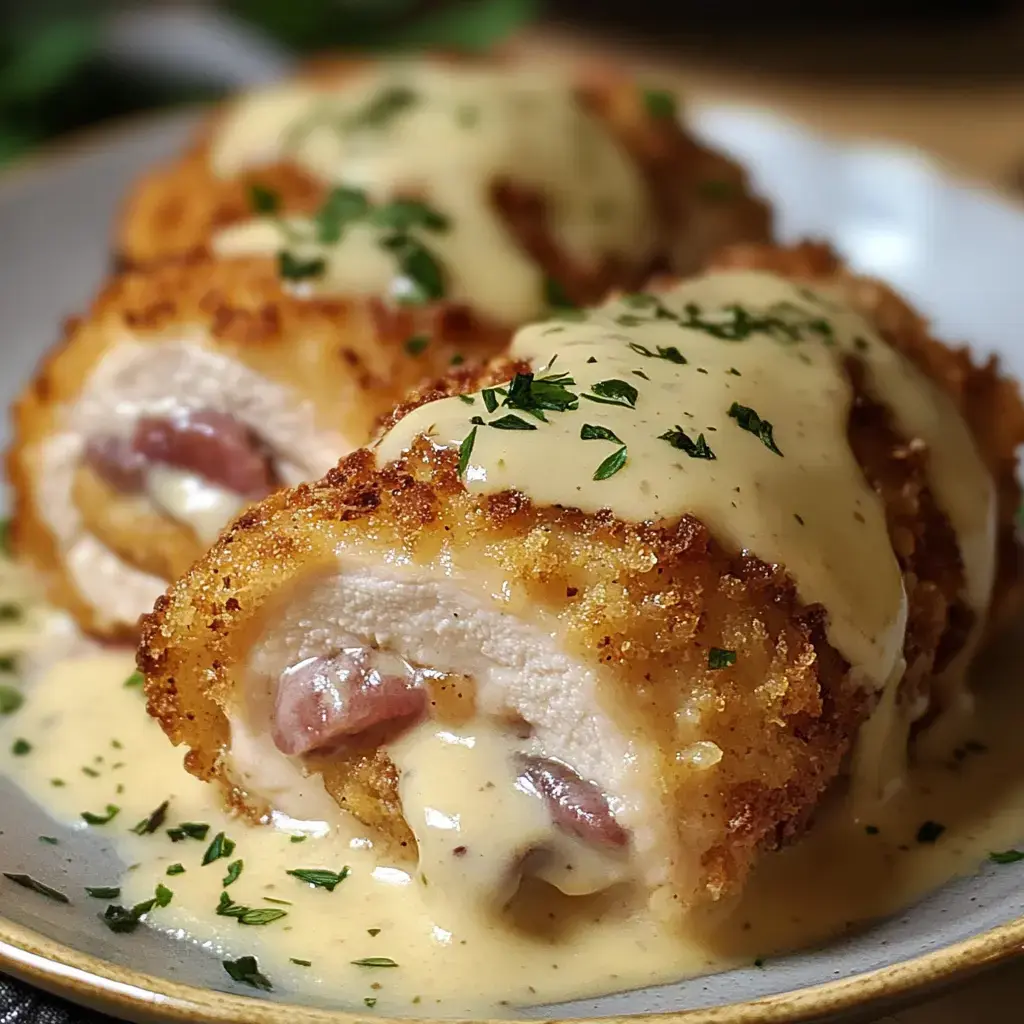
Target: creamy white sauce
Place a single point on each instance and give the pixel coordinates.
(451, 958)
(191, 499)
(163, 380)
(809, 508)
(459, 131)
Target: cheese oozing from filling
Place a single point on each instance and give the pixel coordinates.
(444, 136)
(176, 423)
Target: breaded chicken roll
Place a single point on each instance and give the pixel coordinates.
(541, 181)
(621, 606)
(186, 393)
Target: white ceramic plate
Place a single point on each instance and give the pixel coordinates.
(955, 251)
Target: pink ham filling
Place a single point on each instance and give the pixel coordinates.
(321, 702)
(324, 702)
(211, 444)
(576, 806)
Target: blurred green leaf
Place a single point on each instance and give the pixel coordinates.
(44, 58)
(469, 25)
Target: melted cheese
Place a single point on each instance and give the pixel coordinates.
(452, 960)
(694, 355)
(447, 134)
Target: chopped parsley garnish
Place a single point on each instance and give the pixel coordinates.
(468, 399)
(8, 663)
(511, 422)
(374, 961)
(465, 453)
(20, 747)
(416, 344)
(322, 878)
(28, 882)
(369, 1001)
(163, 895)
(234, 870)
(660, 104)
(298, 839)
(274, 899)
(383, 107)
(1006, 857)
(717, 191)
(611, 465)
(91, 772)
(220, 847)
(669, 352)
(109, 815)
(403, 214)
(421, 277)
(49, 840)
(342, 207)
(103, 892)
(246, 969)
(752, 423)
(134, 680)
(10, 699)
(301, 963)
(872, 830)
(154, 821)
(930, 831)
(176, 869)
(457, 360)
(373, 932)
(594, 432)
(294, 268)
(719, 657)
(678, 438)
(10, 612)
(535, 394)
(253, 916)
(614, 392)
(263, 200)
(188, 830)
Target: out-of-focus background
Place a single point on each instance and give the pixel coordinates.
(947, 75)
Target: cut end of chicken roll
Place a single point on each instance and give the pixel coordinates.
(185, 394)
(620, 607)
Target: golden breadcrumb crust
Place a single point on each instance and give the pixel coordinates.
(702, 200)
(643, 603)
(346, 356)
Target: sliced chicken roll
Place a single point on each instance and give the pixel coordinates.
(545, 184)
(186, 393)
(622, 606)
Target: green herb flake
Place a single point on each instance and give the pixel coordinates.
(103, 892)
(49, 840)
(298, 839)
(246, 970)
(678, 438)
(465, 453)
(660, 104)
(718, 191)
(57, 783)
(301, 963)
(220, 847)
(262, 200)
(667, 352)
(1006, 857)
(5, 536)
(872, 830)
(468, 399)
(274, 899)
(150, 824)
(163, 895)
(91, 772)
(386, 105)
(20, 747)
(8, 663)
(10, 700)
(322, 878)
(555, 295)
(594, 432)
(511, 422)
(373, 932)
(111, 812)
(457, 360)
(11, 612)
(415, 345)
(374, 961)
(234, 870)
(403, 214)
(188, 830)
(294, 268)
(930, 831)
(342, 207)
(421, 278)
(253, 916)
(126, 919)
(611, 465)
(749, 420)
(614, 392)
(28, 882)
(176, 869)
(135, 680)
(719, 657)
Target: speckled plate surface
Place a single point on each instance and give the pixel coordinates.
(956, 251)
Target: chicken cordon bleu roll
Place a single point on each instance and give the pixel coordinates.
(540, 179)
(187, 392)
(621, 606)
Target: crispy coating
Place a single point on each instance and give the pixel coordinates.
(642, 603)
(702, 199)
(345, 356)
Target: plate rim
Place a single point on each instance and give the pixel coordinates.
(93, 981)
